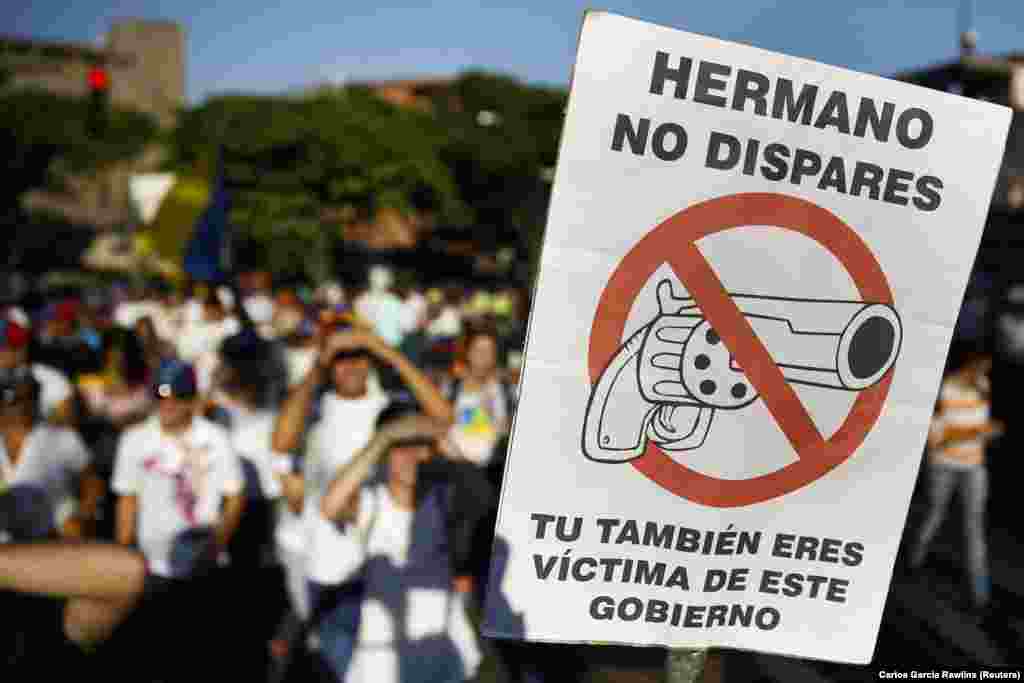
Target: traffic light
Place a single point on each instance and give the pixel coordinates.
(99, 100)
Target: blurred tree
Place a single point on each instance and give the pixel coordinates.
(294, 164)
(44, 138)
(293, 161)
(503, 140)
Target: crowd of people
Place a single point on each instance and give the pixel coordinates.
(297, 484)
(286, 483)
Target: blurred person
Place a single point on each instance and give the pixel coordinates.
(179, 482)
(381, 307)
(257, 586)
(57, 400)
(91, 323)
(448, 323)
(257, 300)
(957, 440)
(344, 418)
(168, 316)
(58, 343)
(415, 527)
(414, 323)
(100, 585)
(192, 307)
(138, 302)
(118, 397)
(480, 398)
(415, 305)
(297, 333)
(52, 459)
(240, 397)
(153, 347)
(120, 393)
(330, 295)
(200, 340)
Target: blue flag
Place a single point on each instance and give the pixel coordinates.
(208, 254)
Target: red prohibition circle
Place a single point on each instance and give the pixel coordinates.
(678, 235)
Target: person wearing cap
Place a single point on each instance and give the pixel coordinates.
(56, 397)
(415, 527)
(51, 458)
(179, 481)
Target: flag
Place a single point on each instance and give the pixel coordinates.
(208, 254)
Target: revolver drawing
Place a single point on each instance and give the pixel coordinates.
(666, 381)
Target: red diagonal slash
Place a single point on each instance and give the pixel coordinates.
(732, 326)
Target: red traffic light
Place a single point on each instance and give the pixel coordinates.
(98, 79)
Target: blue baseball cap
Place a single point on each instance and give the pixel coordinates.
(177, 379)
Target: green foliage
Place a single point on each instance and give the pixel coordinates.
(44, 137)
(290, 160)
(498, 167)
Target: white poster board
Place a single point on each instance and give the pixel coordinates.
(750, 276)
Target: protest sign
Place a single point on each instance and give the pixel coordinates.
(750, 276)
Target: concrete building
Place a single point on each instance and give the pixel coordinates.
(145, 61)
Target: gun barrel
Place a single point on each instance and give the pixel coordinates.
(837, 344)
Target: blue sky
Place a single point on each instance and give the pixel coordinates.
(273, 45)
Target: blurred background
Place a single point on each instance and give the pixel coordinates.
(277, 153)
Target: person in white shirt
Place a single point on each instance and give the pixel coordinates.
(179, 482)
(348, 415)
(414, 316)
(165, 494)
(412, 624)
(54, 460)
(382, 308)
(200, 340)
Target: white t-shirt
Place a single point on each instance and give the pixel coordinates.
(345, 426)
(54, 388)
(180, 482)
(52, 458)
(203, 338)
(412, 625)
(415, 308)
(386, 312)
